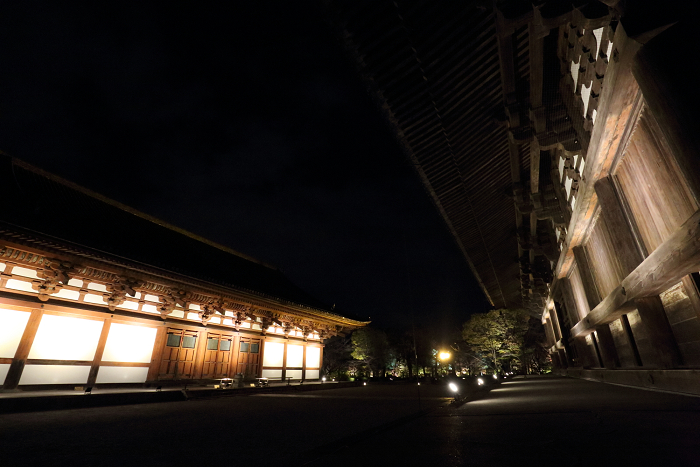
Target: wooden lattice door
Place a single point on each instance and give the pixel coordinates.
(217, 357)
(249, 357)
(179, 355)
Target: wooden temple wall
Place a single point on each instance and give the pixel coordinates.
(75, 342)
(629, 277)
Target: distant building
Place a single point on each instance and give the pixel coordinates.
(95, 293)
(560, 142)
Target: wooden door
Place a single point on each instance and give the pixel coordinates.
(217, 357)
(179, 354)
(249, 356)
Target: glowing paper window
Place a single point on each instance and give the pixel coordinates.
(295, 356)
(69, 294)
(63, 338)
(311, 374)
(12, 324)
(55, 374)
(31, 273)
(19, 285)
(121, 374)
(127, 343)
(4, 368)
(272, 374)
(75, 282)
(313, 357)
(294, 374)
(151, 298)
(96, 286)
(93, 298)
(274, 354)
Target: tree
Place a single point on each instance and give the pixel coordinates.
(499, 335)
(337, 354)
(371, 346)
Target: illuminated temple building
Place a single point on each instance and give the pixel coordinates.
(560, 143)
(95, 293)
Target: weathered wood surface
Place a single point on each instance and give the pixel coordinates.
(675, 258)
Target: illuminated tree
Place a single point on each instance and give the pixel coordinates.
(499, 335)
(371, 346)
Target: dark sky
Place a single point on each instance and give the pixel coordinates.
(245, 123)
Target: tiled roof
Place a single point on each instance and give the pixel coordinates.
(46, 210)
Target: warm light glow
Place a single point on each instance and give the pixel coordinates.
(55, 374)
(295, 356)
(480, 381)
(69, 294)
(453, 387)
(312, 374)
(121, 374)
(364, 384)
(4, 368)
(272, 374)
(274, 354)
(444, 355)
(63, 338)
(12, 324)
(129, 305)
(97, 287)
(127, 343)
(324, 378)
(313, 357)
(19, 271)
(294, 374)
(19, 285)
(92, 298)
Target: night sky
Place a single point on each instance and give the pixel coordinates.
(245, 123)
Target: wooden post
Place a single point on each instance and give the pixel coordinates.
(303, 364)
(589, 284)
(25, 344)
(320, 360)
(606, 346)
(201, 350)
(651, 311)
(235, 350)
(262, 356)
(157, 354)
(284, 362)
(624, 240)
(92, 376)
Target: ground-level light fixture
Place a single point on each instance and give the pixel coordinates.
(364, 384)
(480, 381)
(453, 387)
(495, 376)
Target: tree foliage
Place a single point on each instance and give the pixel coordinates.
(498, 335)
(371, 346)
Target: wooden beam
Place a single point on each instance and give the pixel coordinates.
(606, 344)
(95, 366)
(621, 231)
(587, 278)
(651, 311)
(675, 258)
(14, 373)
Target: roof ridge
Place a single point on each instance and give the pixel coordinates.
(135, 212)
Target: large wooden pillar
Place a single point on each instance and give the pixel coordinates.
(606, 346)
(584, 269)
(284, 361)
(303, 363)
(25, 344)
(655, 321)
(157, 354)
(94, 368)
(628, 248)
(262, 355)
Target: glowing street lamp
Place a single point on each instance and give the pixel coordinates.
(444, 356)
